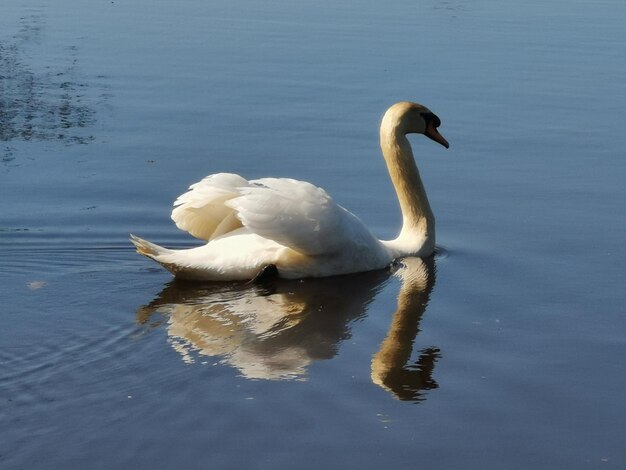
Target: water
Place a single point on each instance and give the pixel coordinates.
(504, 352)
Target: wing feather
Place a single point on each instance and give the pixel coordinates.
(293, 213)
(296, 214)
(201, 210)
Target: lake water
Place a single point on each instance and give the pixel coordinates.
(504, 352)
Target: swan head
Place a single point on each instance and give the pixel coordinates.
(412, 118)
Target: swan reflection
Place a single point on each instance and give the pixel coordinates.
(389, 364)
(275, 329)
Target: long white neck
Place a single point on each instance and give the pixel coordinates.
(418, 222)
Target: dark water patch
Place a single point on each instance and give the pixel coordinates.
(37, 101)
(7, 155)
(13, 230)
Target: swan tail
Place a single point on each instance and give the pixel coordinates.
(149, 249)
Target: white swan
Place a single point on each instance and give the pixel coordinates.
(294, 229)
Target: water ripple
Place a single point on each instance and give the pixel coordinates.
(40, 102)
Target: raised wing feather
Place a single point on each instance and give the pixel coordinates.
(298, 215)
(202, 211)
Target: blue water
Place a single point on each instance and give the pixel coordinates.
(506, 351)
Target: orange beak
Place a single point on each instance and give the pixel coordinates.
(432, 133)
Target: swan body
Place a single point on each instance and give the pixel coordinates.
(295, 226)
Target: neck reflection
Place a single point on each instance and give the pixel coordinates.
(390, 368)
(276, 329)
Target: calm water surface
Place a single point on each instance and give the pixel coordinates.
(505, 351)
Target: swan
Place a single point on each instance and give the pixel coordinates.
(293, 229)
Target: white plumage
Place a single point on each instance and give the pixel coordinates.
(295, 226)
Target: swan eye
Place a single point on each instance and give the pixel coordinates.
(431, 119)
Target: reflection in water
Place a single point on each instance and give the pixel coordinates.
(389, 364)
(272, 330)
(276, 329)
(37, 104)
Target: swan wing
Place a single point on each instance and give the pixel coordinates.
(298, 215)
(202, 211)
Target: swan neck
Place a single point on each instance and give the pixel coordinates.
(418, 220)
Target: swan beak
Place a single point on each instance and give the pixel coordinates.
(432, 133)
